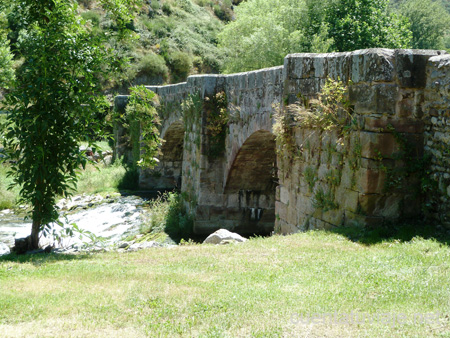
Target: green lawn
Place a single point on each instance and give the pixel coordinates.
(257, 289)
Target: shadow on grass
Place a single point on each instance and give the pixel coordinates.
(40, 258)
(402, 231)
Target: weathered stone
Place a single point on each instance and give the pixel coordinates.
(223, 235)
(380, 205)
(411, 67)
(378, 145)
(4, 249)
(371, 181)
(386, 125)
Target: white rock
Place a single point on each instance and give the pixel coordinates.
(4, 249)
(225, 236)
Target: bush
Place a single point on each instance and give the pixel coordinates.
(180, 63)
(169, 214)
(92, 16)
(166, 8)
(153, 64)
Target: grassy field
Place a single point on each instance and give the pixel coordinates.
(261, 288)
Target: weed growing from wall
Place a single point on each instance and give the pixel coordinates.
(328, 114)
(217, 117)
(145, 137)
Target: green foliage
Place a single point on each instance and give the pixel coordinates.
(310, 175)
(92, 16)
(192, 111)
(217, 117)
(6, 62)
(180, 63)
(53, 105)
(169, 214)
(430, 22)
(330, 111)
(263, 33)
(324, 200)
(153, 65)
(141, 107)
(359, 24)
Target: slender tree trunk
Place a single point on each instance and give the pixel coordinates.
(34, 237)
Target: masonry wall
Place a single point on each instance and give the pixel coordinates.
(371, 176)
(436, 109)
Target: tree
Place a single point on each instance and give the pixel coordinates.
(53, 102)
(359, 24)
(429, 23)
(6, 58)
(265, 31)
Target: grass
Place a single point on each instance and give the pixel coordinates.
(256, 289)
(8, 198)
(168, 215)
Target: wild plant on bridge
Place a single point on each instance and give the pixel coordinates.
(141, 112)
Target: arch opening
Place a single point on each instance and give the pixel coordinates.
(168, 173)
(251, 184)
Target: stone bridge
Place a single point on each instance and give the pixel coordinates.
(221, 150)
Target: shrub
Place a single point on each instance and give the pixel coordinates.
(169, 214)
(92, 16)
(180, 63)
(166, 8)
(153, 64)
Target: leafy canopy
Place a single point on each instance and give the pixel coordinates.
(6, 58)
(266, 30)
(430, 22)
(359, 24)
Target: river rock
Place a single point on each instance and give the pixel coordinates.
(223, 236)
(143, 245)
(4, 249)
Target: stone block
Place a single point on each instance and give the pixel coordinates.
(347, 199)
(411, 67)
(353, 219)
(292, 215)
(285, 228)
(370, 181)
(284, 195)
(363, 97)
(339, 66)
(380, 205)
(374, 124)
(386, 97)
(368, 163)
(334, 217)
(374, 145)
(281, 210)
(372, 65)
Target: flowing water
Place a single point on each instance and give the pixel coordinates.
(110, 219)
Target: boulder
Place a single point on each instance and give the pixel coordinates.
(4, 249)
(223, 236)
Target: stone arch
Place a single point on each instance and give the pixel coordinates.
(254, 166)
(168, 172)
(251, 183)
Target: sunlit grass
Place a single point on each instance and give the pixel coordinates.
(255, 289)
